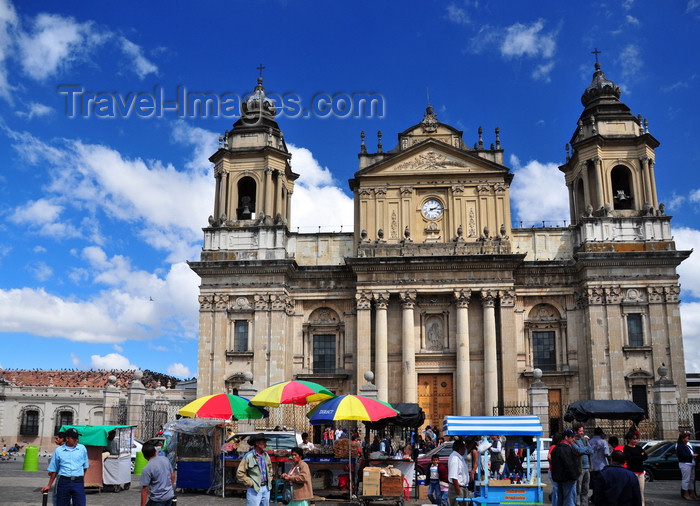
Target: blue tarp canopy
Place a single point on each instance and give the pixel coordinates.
(526, 425)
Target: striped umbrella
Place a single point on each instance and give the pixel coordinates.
(297, 392)
(223, 406)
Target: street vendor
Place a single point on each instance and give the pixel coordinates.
(255, 472)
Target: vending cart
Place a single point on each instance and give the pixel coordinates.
(109, 455)
(530, 490)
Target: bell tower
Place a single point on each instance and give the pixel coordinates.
(610, 169)
(254, 180)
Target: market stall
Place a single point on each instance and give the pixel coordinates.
(519, 430)
(109, 455)
(410, 417)
(193, 449)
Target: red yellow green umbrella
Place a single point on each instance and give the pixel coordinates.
(223, 406)
(350, 407)
(297, 392)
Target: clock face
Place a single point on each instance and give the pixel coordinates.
(432, 209)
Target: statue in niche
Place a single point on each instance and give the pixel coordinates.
(434, 336)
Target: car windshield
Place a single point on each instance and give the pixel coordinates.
(282, 441)
(658, 448)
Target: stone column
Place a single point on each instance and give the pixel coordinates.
(408, 347)
(462, 387)
(572, 204)
(539, 400)
(488, 300)
(652, 181)
(269, 193)
(288, 213)
(510, 369)
(111, 402)
(381, 347)
(363, 339)
(598, 164)
(646, 181)
(278, 193)
(666, 405)
(135, 403)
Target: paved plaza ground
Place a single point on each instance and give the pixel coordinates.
(19, 487)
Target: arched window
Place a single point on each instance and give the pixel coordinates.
(544, 327)
(246, 198)
(29, 421)
(621, 182)
(324, 336)
(65, 415)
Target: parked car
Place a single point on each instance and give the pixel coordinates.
(662, 461)
(546, 442)
(278, 440)
(647, 445)
(136, 446)
(443, 451)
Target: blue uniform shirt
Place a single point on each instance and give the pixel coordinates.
(69, 461)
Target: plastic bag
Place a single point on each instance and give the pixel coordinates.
(287, 493)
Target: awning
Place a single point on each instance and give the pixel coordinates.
(410, 415)
(95, 435)
(608, 410)
(526, 425)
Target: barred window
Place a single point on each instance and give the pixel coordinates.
(324, 353)
(63, 417)
(240, 336)
(29, 425)
(635, 336)
(543, 353)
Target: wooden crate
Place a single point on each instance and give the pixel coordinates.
(392, 485)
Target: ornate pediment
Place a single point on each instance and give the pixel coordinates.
(429, 161)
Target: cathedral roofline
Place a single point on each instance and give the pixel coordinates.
(393, 156)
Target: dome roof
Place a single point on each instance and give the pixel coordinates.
(257, 102)
(600, 88)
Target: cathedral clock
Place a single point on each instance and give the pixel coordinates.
(432, 209)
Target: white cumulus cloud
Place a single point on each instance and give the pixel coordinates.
(538, 192)
(528, 40)
(141, 65)
(111, 361)
(179, 370)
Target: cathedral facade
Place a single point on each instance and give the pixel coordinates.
(435, 292)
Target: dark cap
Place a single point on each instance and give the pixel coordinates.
(72, 433)
(568, 433)
(257, 437)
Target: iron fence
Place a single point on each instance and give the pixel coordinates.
(689, 416)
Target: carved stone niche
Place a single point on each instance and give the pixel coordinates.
(434, 332)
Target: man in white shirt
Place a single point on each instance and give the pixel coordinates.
(306, 445)
(457, 473)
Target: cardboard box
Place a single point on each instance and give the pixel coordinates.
(371, 481)
(422, 492)
(392, 485)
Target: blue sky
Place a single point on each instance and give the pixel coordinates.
(99, 214)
